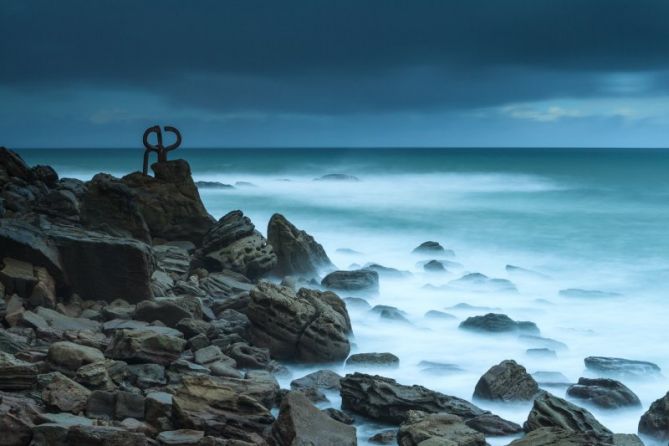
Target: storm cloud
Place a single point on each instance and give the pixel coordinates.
(312, 72)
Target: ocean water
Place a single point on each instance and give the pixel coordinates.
(594, 219)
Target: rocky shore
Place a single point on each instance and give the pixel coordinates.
(130, 316)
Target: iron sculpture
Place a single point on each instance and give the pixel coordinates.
(159, 148)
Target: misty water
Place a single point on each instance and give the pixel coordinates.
(585, 219)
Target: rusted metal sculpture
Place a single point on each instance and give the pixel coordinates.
(159, 148)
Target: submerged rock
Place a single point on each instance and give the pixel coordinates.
(432, 247)
(587, 294)
(497, 323)
(655, 421)
(309, 326)
(213, 185)
(373, 360)
(605, 393)
(297, 252)
(422, 428)
(301, 423)
(357, 280)
(622, 367)
(385, 271)
(337, 177)
(481, 283)
(506, 381)
(434, 266)
(383, 399)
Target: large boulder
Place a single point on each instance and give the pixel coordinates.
(605, 393)
(655, 422)
(303, 326)
(506, 381)
(234, 244)
(361, 280)
(297, 252)
(170, 203)
(301, 423)
(383, 399)
(551, 411)
(420, 429)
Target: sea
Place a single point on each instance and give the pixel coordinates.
(569, 219)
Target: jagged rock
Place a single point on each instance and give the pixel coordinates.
(60, 204)
(145, 346)
(422, 429)
(301, 423)
(297, 252)
(383, 399)
(208, 404)
(13, 166)
(71, 356)
(170, 203)
(497, 323)
(551, 411)
(373, 360)
(358, 280)
(226, 284)
(302, 326)
(16, 374)
(110, 205)
(555, 436)
(655, 421)
(506, 381)
(625, 368)
(605, 393)
(63, 394)
(102, 375)
(104, 436)
(174, 260)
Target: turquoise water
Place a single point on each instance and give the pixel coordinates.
(593, 219)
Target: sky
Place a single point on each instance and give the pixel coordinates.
(336, 73)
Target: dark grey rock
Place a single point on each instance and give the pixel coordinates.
(551, 411)
(357, 280)
(506, 381)
(497, 323)
(604, 393)
(373, 360)
(655, 421)
(625, 368)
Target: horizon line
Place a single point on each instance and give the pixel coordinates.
(348, 147)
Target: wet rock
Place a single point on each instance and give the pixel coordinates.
(556, 436)
(604, 393)
(297, 252)
(145, 346)
(551, 411)
(233, 243)
(373, 360)
(16, 374)
(70, 356)
(322, 379)
(357, 280)
(338, 415)
(337, 177)
(383, 399)
(61, 393)
(300, 423)
(497, 323)
(384, 437)
(434, 266)
(422, 428)
(506, 381)
(655, 421)
(208, 404)
(481, 283)
(431, 248)
(624, 368)
(304, 326)
(170, 203)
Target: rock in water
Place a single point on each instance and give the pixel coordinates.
(358, 280)
(507, 381)
(619, 367)
(498, 323)
(429, 247)
(170, 202)
(373, 360)
(306, 326)
(655, 422)
(297, 252)
(422, 428)
(383, 399)
(301, 423)
(551, 411)
(605, 393)
(555, 436)
(234, 244)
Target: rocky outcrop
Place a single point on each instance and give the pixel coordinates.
(301, 423)
(422, 428)
(383, 399)
(297, 252)
(551, 411)
(605, 393)
(234, 244)
(623, 368)
(305, 326)
(655, 421)
(363, 280)
(506, 381)
(498, 323)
